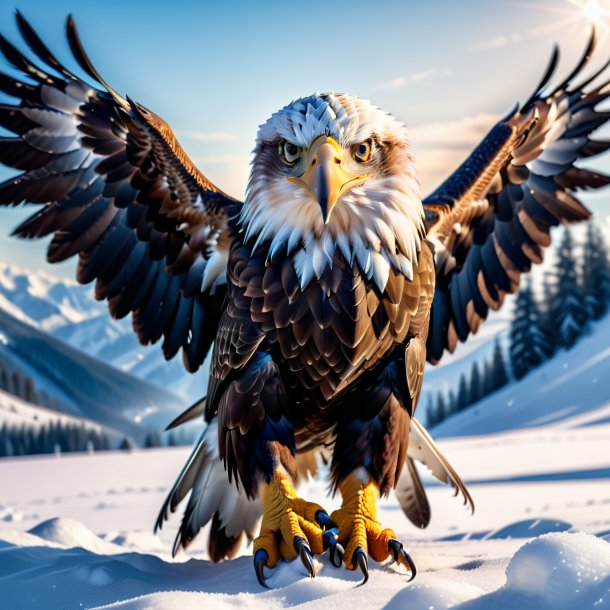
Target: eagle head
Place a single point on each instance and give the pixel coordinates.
(332, 171)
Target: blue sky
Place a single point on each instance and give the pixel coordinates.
(216, 71)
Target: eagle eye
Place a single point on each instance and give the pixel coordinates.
(362, 151)
(289, 152)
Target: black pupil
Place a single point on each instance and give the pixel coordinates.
(362, 150)
(291, 149)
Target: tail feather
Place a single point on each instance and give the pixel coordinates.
(411, 495)
(423, 449)
(184, 482)
(212, 497)
(194, 411)
(220, 544)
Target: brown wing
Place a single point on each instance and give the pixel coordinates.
(490, 220)
(118, 190)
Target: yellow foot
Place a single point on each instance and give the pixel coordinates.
(360, 532)
(291, 527)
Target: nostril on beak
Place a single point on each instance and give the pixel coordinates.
(314, 162)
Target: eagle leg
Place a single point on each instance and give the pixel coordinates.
(290, 527)
(358, 528)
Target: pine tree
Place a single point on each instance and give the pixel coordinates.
(528, 345)
(462, 397)
(441, 407)
(475, 392)
(152, 440)
(596, 273)
(126, 444)
(29, 392)
(499, 376)
(488, 386)
(569, 313)
(6, 447)
(431, 413)
(104, 442)
(4, 379)
(545, 309)
(453, 403)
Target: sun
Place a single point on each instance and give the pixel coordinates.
(593, 11)
(571, 14)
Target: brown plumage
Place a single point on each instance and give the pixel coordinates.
(324, 292)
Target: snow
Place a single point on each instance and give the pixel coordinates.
(562, 570)
(572, 382)
(75, 530)
(15, 411)
(84, 533)
(70, 533)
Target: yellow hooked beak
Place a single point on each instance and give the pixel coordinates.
(325, 179)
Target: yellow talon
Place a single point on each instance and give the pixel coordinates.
(289, 526)
(359, 530)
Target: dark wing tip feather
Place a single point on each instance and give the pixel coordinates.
(35, 43)
(584, 60)
(548, 74)
(85, 63)
(593, 76)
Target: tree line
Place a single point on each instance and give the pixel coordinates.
(18, 384)
(58, 437)
(555, 317)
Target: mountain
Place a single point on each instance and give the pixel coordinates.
(15, 411)
(37, 365)
(69, 312)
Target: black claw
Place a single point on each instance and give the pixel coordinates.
(360, 559)
(322, 518)
(260, 560)
(302, 548)
(396, 547)
(337, 553)
(335, 550)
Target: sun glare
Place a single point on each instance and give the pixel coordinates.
(570, 14)
(593, 11)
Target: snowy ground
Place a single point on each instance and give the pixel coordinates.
(529, 486)
(75, 531)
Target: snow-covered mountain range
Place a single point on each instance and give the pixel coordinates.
(69, 312)
(43, 370)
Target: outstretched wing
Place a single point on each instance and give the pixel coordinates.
(490, 220)
(118, 190)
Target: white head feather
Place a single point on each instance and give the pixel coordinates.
(376, 225)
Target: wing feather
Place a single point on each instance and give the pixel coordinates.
(119, 191)
(491, 219)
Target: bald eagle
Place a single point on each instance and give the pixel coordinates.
(321, 295)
